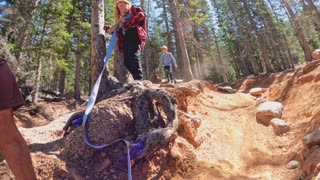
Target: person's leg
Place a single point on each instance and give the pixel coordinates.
(170, 74)
(14, 148)
(173, 76)
(167, 72)
(132, 53)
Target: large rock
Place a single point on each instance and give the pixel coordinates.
(106, 123)
(310, 164)
(316, 54)
(144, 119)
(257, 91)
(267, 111)
(279, 126)
(312, 139)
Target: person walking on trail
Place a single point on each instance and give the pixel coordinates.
(131, 35)
(168, 62)
(12, 145)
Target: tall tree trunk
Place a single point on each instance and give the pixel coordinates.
(147, 51)
(186, 67)
(259, 38)
(63, 75)
(166, 22)
(200, 53)
(283, 39)
(244, 38)
(78, 54)
(97, 39)
(26, 9)
(98, 51)
(221, 65)
(39, 60)
(302, 39)
(196, 52)
(38, 80)
(76, 86)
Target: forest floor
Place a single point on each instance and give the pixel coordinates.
(232, 145)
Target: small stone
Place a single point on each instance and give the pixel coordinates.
(293, 164)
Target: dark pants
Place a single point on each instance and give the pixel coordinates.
(132, 53)
(168, 73)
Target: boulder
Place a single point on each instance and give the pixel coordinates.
(312, 139)
(138, 122)
(267, 111)
(316, 54)
(226, 89)
(293, 164)
(257, 91)
(279, 126)
(310, 164)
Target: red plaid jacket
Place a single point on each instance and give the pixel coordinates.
(138, 19)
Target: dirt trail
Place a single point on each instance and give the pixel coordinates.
(234, 145)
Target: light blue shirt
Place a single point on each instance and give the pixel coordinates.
(167, 59)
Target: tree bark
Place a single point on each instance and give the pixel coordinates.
(166, 22)
(186, 66)
(147, 52)
(302, 39)
(221, 65)
(260, 43)
(78, 54)
(38, 77)
(283, 39)
(26, 9)
(244, 37)
(97, 39)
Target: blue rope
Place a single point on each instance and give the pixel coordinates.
(93, 96)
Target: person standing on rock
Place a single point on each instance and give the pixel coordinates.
(12, 145)
(132, 35)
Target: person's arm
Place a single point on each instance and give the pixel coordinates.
(173, 60)
(137, 16)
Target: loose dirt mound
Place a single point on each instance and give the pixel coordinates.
(228, 144)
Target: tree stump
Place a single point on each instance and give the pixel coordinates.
(146, 118)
